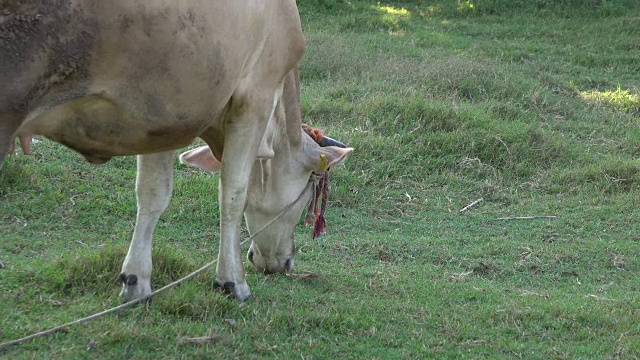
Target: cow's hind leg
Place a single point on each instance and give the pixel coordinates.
(8, 128)
(154, 183)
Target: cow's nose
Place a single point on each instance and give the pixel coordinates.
(278, 267)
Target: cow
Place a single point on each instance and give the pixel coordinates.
(114, 78)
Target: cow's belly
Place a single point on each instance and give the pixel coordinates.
(100, 127)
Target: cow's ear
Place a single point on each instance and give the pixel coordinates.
(325, 157)
(201, 158)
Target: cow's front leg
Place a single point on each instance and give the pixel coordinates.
(243, 134)
(154, 183)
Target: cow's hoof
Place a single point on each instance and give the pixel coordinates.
(240, 291)
(133, 287)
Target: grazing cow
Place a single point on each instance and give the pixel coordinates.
(111, 78)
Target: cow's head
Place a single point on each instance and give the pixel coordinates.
(280, 177)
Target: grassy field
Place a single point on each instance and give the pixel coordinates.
(533, 107)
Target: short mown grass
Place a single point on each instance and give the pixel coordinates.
(530, 105)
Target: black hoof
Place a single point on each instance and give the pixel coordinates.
(226, 288)
(129, 280)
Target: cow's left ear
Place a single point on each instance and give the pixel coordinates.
(201, 158)
(325, 157)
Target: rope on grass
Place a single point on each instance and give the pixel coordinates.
(529, 217)
(108, 311)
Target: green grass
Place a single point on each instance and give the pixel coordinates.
(531, 105)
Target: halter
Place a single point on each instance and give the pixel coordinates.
(315, 214)
(320, 185)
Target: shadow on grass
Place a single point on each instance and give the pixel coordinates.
(96, 271)
(92, 275)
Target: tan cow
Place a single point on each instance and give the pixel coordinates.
(110, 78)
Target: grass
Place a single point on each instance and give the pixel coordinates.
(525, 104)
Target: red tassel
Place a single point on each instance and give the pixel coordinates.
(320, 223)
(315, 214)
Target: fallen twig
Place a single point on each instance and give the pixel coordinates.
(471, 205)
(304, 275)
(533, 293)
(460, 276)
(211, 339)
(472, 343)
(603, 288)
(529, 217)
(72, 199)
(260, 348)
(600, 298)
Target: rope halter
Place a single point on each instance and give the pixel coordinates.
(315, 212)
